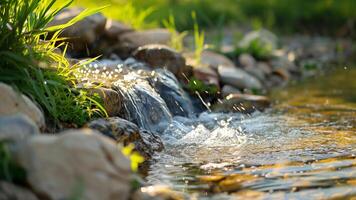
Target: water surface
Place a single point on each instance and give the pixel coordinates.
(302, 148)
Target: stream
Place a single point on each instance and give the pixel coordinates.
(304, 147)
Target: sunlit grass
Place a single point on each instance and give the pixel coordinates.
(32, 65)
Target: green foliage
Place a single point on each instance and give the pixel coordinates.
(177, 39)
(195, 85)
(199, 38)
(30, 63)
(9, 170)
(257, 49)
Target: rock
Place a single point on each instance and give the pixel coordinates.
(238, 78)
(9, 191)
(256, 72)
(125, 132)
(246, 60)
(133, 40)
(243, 103)
(207, 75)
(16, 127)
(112, 100)
(84, 33)
(264, 67)
(161, 56)
(283, 73)
(211, 59)
(13, 103)
(81, 162)
(228, 89)
(283, 63)
(113, 29)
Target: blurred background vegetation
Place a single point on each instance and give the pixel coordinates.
(331, 17)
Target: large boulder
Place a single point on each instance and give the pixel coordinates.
(243, 103)
(125, 132)
(161, 56)
(238, 78)
(84, 33)
(13, 102)
(76, 162)
(10, 191)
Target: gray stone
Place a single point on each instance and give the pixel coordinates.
(135, 39)
(125, 132)
(76, 160)
(238, 78)
(14, 103)
(17, 127)
(246, 60)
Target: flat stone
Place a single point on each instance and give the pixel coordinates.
(228, 89)
(238, 78)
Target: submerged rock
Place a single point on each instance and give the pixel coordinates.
(12, 102)
(76, 161)
(243, 103)
(161, 56)
(238, 78)
(125, 132)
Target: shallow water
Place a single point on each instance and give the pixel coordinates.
(302, 148)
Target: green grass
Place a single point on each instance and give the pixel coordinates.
(31, 65)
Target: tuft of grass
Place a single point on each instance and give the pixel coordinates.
(32, 65)
(199, 39)
(177, 39)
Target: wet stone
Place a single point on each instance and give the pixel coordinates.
(125, 132)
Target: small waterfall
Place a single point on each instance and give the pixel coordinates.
(143, 105)
(150, 98)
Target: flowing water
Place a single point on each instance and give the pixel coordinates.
(302, 148)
